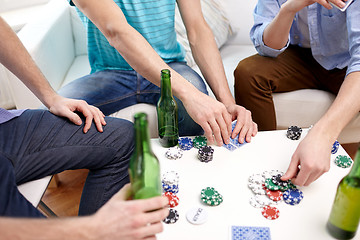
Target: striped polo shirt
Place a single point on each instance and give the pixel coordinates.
(153, 19)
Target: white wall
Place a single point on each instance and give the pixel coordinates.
(8, 5)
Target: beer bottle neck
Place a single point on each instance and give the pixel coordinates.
(165, 84)
(142, 140)
(355, 170)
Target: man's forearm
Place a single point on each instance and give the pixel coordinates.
(207, 57)
(343, 109)
(69, 228)
(15, 57)
(276, 34)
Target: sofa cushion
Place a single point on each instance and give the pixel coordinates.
(215, 16)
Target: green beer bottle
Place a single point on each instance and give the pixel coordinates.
(144, 167)
(345, 214)
(167, 112)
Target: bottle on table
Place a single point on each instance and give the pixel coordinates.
(167, 112)
(345, 214)
(144, 167)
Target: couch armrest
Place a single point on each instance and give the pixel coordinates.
(50, 42)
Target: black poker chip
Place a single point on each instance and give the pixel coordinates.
(294, 132)
(205, 154)
(276, 179)
(172, 217)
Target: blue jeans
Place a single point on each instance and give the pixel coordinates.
(113, 90)
(37, 144)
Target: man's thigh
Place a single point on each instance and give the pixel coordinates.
(109, 90)
(39, 144)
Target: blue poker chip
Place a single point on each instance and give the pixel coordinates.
(173, 188)
(185, 143)
(335, 147)
(293, 196)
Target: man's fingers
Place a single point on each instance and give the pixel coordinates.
(292, 170)
(152, 204)
(208, 133)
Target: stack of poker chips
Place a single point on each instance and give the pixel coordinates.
(174, 153)
(199, 141)
(211, 197)
(172, 217)
(294, 132)
(293, 196)
(343, 161)
(173, 199)
(170, 182)
(206, 154)
(269, 190)
(335, 147)
(185, 143)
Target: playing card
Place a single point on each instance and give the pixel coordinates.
(250, 233)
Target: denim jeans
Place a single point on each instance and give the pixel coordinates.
(37, 144)
(113, 90)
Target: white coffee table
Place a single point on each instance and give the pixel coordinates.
(229, 172)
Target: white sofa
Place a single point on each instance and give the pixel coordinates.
(57, 42)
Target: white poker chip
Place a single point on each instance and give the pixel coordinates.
(253, 202)
(174, 153)
(257, 178)
(257, 188)
(171, 178)
(276, 172)
(264, 200)
(197, 215)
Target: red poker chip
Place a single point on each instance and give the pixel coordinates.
(270, 213)
(274, 195)
(173, 199)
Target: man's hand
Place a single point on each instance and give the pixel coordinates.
(66, 107)
(245, 126)
(211, 115)
(313, 157)
(130, 220)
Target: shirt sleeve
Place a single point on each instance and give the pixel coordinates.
(265, 11)
(353, 27)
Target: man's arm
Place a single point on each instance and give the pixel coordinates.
(117, 219)
(110, 20)
(207, 57)
(14, 56)
(313, 153)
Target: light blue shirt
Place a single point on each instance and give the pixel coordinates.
(6, 115)
(153, 19)
(334, 35)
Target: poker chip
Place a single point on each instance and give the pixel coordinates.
(173, 188)
(276, 179)
(211, 197)
(343, 161)
(270, 185)
(199, 141)
(264, 200)
(257, 178)
(274, 195)
(174, 153)
(170, 177)
(257, 188)
(172, 217)
(205, 154)
(293, 196)
(185, 143)
(294, 132)
(335, 147)
(253, 202)
(270, 212)
(173, 199)
(197, 215)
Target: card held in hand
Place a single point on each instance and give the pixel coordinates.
(250, 233)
